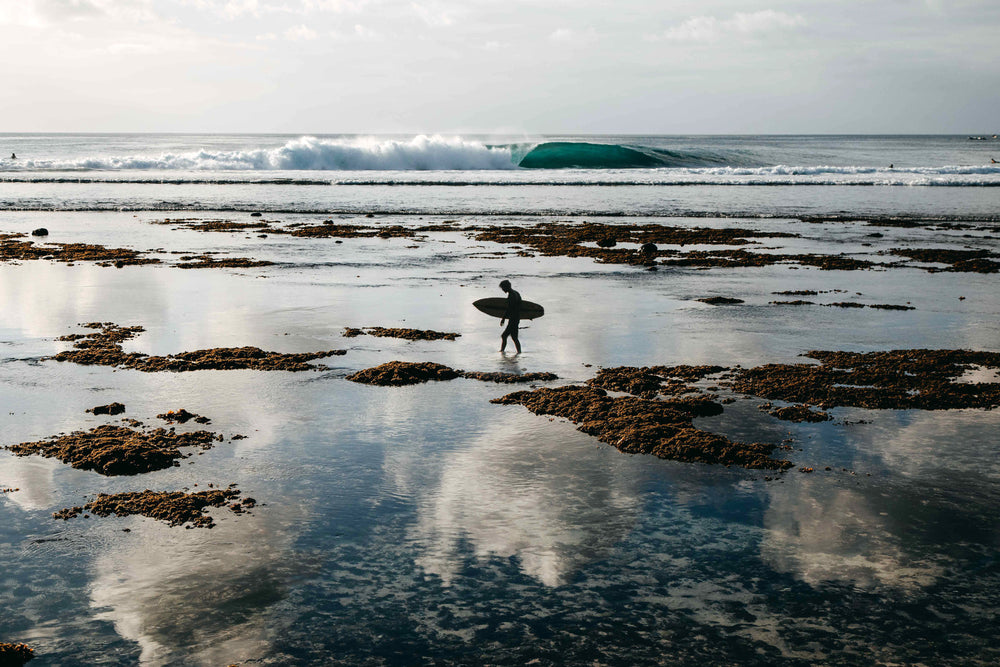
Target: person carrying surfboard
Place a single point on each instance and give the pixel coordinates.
(512, 316)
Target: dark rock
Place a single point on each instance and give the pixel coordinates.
(109, 409)
(41, 231)
(719, 300)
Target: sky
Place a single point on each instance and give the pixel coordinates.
(501, 66)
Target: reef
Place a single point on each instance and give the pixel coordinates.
(844, 304)
(604, 243)
(405, 334)
(176, 508)
(118, 450)
(401, 373)
(799, 413)
(964, 261)
(719, 300)
(652, 381)
(894, 380)
(182, 416)
(103, 347)
(13, 249)
(109, 409)
(213, 262)
(561, 239)
(15, 655)
(508, 378)
(662, 428)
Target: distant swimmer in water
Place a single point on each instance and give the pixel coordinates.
(13, 157)
(891, 166)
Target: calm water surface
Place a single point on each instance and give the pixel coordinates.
(425, 525)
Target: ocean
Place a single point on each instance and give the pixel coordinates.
(948, 176)
(425, 524)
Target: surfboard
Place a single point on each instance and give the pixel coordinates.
(497, 307)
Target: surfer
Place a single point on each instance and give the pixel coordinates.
(993, 160)
(513, 314)
(13, 157)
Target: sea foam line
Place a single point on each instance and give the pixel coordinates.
(307, 154)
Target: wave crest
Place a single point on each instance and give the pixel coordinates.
(420, 153)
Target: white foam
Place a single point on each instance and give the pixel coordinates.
(814, 170)
(310, 153)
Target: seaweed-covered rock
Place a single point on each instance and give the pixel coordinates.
(118, 450)
(15, 655)
(109, 409)
(176, 508)
(642, 426)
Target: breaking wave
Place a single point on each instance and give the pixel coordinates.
(310, 154)
(420, 153)
(583, 155)
(581, 162)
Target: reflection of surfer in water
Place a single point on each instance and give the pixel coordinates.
(513, 314)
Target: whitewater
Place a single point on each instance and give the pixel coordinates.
(941, 176)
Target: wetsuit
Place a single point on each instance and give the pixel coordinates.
(513, 314)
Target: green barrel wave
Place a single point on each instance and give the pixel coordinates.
(578, 155)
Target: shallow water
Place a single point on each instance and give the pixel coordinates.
(423, 525)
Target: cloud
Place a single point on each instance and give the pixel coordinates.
(334, 6)
(434, 14)
(711, 29)
(43, 13)
(300, 33)
(508, 497)
(570, 36)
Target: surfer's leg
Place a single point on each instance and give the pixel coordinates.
(511, 331)
(513, 337)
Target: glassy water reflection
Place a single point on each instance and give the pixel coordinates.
(424, 525)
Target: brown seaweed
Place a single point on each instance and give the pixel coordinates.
(176, 508)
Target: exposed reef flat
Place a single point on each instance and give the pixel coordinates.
(207, 261)
(897, 379)
(635, 425)
(651, 381)
(109, 409)
(401, 373)
(967, 261)
(14, 249)
(182, 416)
(405, 334)
(103, 347)
(176, 508)
(797, 413)
(614, 244)
(15, 655)
(118, 450)
(720, 300)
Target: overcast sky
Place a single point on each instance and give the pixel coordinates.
(512, 66)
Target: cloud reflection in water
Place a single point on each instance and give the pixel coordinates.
(511, 493)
